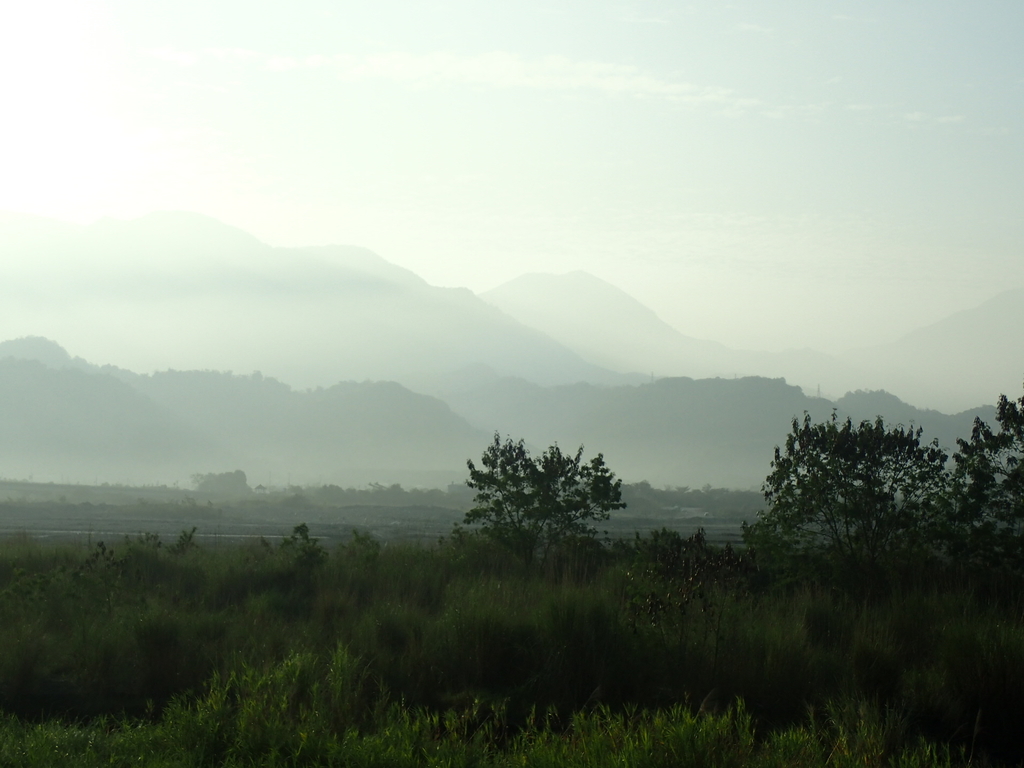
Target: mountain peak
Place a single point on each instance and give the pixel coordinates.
(48, 352)
(604, 324)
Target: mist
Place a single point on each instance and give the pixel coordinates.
(471, 204)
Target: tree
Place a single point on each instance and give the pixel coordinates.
(859, 497)
(989, 522)
(530, 505)
(222, 483)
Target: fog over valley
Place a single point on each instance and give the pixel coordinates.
(149, 350)
(348, 244)
(619, 382)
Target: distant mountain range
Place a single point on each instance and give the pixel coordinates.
(607, 327)
(966, 360)
(69, 420)
(183, 291)
(681, 431)
(977, 353)
(62, 418)
(565, 358)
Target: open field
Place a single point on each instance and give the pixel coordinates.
(57, 512)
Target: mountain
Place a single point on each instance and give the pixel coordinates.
(183, 291)
(61, 421)
(69, 424)
(66, 418)
(606, 326)
(351, 433)
(970, 357)
(681, 431)
(49, 353)
(865, 405)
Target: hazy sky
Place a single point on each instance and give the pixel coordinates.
(766, 174)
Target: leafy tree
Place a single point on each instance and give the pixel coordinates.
(861, 498)
(222, 483)
(989, 520)
(532, 504)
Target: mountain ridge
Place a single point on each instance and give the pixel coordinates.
(917, 365)
(311, 316)
(672, 431)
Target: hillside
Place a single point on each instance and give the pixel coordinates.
(73, 420)
(970, 357)
(67, 424)
(182, 291)
(681, 431)
(606, 326)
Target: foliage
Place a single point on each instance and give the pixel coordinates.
(989, 513)
(302, 548)
(672, 574)
(222, 731)
(186, 542)
(222, 483)
(531, 504)
(862, 498)
(230, 654)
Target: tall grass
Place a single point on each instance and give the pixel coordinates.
(285, 717)
(252, 653)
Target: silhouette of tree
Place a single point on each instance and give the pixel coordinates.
(989, 521)
(530, 505)
(860, 498)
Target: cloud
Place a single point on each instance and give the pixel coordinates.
(497, 70)
(919, 118)
(502, 70)
(800, 111)
(644, 20)
(173, 56)
(232, 54)
(191, 58)
(506, 70)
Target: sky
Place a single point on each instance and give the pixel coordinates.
(770, 175)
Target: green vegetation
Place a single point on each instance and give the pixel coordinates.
(527, 504)
(294, 654)
(851, 634)
(861, 507)
(855, 500)
(229, 484)
(988, 521)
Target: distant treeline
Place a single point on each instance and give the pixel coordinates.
(642, 499)
(717, 502)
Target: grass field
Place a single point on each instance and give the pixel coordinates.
(291, 652)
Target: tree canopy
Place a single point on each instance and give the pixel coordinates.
(988, 524)
(859, 496)
(531, 504)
